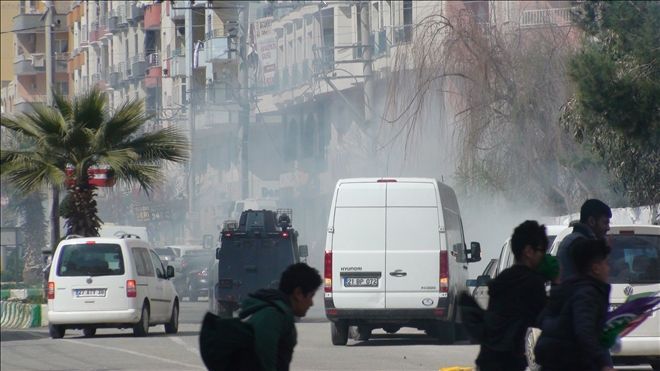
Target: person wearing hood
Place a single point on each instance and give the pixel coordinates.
(594, 223)
(272, 312)
(573, 321)
(517, 296)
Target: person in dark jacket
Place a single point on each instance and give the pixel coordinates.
(272, 315)
(572, 323)
(517, 296)
(594, 223)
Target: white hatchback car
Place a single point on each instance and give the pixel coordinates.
(98, 282)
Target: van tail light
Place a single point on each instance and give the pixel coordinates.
(444, 271)
(328, 272)
(285, 234)
(51, 290)
(131, 289)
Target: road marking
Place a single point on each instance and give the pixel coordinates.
(188, 366)
(189, 348)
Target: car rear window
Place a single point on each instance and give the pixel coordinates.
(91, 260)
(197, 260)
(164, 251)
(634, 259)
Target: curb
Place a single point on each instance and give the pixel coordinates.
(15, 314)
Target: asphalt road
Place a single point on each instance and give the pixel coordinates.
(113, 349)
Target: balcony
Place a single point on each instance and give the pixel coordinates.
(177, 66)
(134, 13)
(113, 21)
(115, 77)
(62, 63)
(177, 14)
(33, 23)
(29, 64)
(122, 20)
(138, 66)
(24, 104)
(546, 17)
(152, 17)
(218, 47)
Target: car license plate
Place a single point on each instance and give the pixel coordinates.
(360, 282)
(89, 293)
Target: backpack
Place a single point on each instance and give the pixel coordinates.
(472, 316)
(227, 344)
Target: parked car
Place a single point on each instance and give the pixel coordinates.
(98, 282)
(169, 257)
(395, 257)
(192, 280)
(506, 260)
(634, 268)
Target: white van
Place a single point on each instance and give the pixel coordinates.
(98, 282)
(114, 230)
(395, 257)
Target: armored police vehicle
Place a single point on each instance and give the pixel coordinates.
(252, 255)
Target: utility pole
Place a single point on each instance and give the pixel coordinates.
(365, 26)
(55, 190)
(244, 116)
(192, 194)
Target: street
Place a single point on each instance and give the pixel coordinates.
(113, 349)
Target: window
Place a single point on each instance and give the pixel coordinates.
(61, 45)
(142, 262)
(62, 87)
(160, 269)
(91, 260)
(634, 259)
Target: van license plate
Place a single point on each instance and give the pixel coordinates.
(89, 293)
(360, 282)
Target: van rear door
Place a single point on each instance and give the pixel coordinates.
(358, 246)
(413, 245)
(90, 277)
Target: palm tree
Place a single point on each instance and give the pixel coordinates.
(81, 134)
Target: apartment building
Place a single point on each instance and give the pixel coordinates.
(29, 47)
(9, 9)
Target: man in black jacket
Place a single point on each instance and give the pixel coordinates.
(517, 296)
(594, 223)
(573, 321)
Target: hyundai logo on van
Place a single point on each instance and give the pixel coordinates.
(349, 269)
(89, 280)
(427, 302)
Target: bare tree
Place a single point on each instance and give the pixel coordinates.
(504, 87)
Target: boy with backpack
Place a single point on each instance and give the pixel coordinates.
(264, 334)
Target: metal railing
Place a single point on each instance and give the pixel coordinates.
(554, 16)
